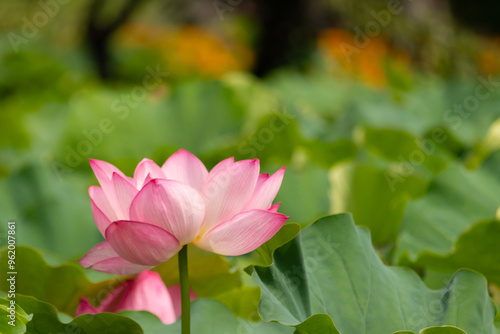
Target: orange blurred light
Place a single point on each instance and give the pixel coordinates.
(189, 50)
(368, 63)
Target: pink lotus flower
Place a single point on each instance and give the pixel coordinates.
(146, 292)
(148, 218)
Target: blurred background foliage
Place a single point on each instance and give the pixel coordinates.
(391, 114)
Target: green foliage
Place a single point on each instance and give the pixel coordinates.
(317, 324)
(436, 330)
(61, 286)
(423, 178)
(210, 317)
(333, 269)
(38, 202)
(45, 320)
(450, 208)
(374, 196)
(304, 194)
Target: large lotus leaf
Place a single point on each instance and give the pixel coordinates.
(478, 248)
(333, 269)
(317, 324)
(375, 196)
(455, 201)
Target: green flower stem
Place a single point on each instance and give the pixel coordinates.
(185, 295)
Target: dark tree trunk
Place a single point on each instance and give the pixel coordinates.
(287, 34)
(481, 16)
(99, 33)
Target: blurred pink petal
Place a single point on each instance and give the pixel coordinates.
(243, 233)
(146, 292)
(149, 293)
(183, 166)
(84, 307)
(113, 300)
(171, 205)
(142, 243)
